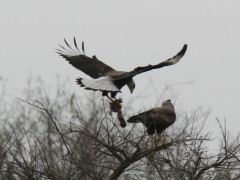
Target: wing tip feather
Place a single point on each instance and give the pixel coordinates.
(68, 51)
(184, 49)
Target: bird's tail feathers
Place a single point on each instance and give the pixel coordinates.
(103, 84)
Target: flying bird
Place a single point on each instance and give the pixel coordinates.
(105, 78)
(156, 119)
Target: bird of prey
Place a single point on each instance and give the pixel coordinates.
(107, 80)
(156, 119)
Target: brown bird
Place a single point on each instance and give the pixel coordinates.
(110, 80)
(156, 119)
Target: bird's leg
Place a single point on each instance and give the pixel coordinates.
(150, 139)
(160, 138)
(109, 98)
(151, 143)
(154, 140)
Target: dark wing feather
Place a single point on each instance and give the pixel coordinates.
(168, 62)
(91, 66)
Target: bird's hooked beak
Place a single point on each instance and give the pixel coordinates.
(131, 86)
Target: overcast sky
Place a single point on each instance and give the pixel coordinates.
(127, 34)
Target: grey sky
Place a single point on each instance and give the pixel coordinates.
(126, 34)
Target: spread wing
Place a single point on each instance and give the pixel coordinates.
(168, 62)
(89, 65)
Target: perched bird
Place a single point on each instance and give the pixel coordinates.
(156, 119)
(110, 80)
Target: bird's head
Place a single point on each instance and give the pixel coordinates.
(167, 103)
(131, 85)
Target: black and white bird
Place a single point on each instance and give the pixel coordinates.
(156, 119)
(105, 78)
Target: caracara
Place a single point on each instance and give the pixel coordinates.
(156, 119)
(107, 79)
